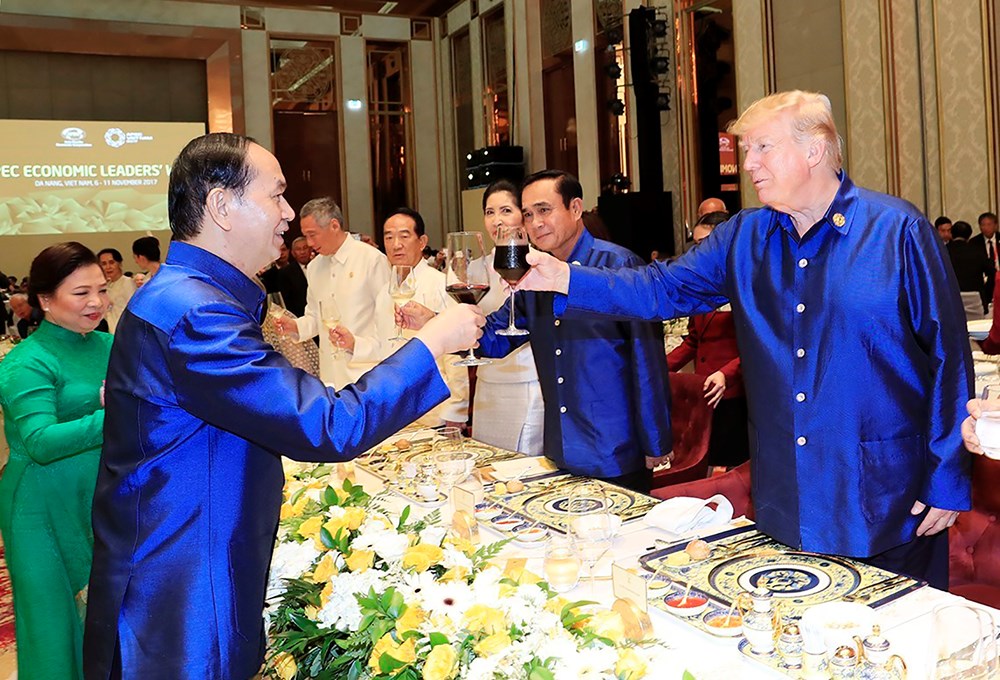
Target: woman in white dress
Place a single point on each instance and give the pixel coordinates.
(508, 409)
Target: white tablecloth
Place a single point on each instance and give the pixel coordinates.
(906, 623)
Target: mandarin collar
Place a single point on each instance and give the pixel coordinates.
(839, 215)
(52, 330)
(582, 248)
(236, 283)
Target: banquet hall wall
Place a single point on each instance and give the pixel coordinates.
(913, 86)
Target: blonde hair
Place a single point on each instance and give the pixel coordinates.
(811, 118)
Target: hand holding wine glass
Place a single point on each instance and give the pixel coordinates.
(466, 277)
(329, 314)
(402, 287)
(510, 262)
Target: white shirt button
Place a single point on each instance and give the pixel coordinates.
(803, 263)
(800, 352)
(800, 308)
(560, 380)
(557, 322)
(800, 397)
(801, 441)
(562, 409)
(558, 352)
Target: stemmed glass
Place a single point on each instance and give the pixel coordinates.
(329, 315)
(275, 306)
(590, 523)
(402, 287)
(466, 277)
(510, 261)
(453, 467)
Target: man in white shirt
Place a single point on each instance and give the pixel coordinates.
(121, 288)
(405, 239)
(349, 273)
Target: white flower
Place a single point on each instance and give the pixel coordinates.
(448, 598)
(290, 560)
(433, 535)
(587, 663)
(482, 668)
(342, 610)
(387, 543)
(455, 558)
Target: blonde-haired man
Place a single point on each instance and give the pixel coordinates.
(852, 337)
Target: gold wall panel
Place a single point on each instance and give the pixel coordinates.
(865, 133)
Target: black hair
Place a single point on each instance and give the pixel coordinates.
(941, 220)
(712, 219)
(148, 247)
(961, 229)
(567, 185)
(51, 267)
(987, 216)
(113, 252)
(502, 185)
(216, 160)
(418, 221)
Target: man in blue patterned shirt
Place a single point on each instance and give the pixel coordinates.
(852, 336)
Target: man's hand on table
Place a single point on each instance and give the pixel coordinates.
(937, 520)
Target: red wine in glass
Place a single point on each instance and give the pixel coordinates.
(467, 294)
(511, 262)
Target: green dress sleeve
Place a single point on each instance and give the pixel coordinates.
(31, 405)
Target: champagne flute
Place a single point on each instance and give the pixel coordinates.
(466, 276)
(590, 524)
(329, 314)
(402, 287)
(510, 261)
(275, 306)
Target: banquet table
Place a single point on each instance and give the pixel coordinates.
(906, 622)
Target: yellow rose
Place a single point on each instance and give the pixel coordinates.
(607, 624)
(405, 652)
(463, 544)
(455, 574)
(311, 612)
(630, 665)
(480, 618)
(420, 557)
(310, 528)
(284, 665)
(360, 560)
(354, 517)
(324, 570)
(327, 593)
(410, 620)
(440, 664)
(336, 524)
(492, 644)
(506, 590)
(294, 509)
(556, 604)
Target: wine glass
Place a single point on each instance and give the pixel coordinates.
(510, 261)
(402, 287)
(590, 523)
(275, 306)
(963, 644)
(329, 315)
(453, 467)
(466, 277)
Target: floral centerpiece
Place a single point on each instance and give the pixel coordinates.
(358, 593)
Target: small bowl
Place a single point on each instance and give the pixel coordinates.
(506, 522)
(486, 511)
(695, 604)
(531, 534)
(714, 621)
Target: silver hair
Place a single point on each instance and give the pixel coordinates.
(324, 209)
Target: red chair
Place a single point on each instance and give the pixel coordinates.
(734, 485)
(974, 541)
(691, 425)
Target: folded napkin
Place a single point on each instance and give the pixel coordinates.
(683, 514)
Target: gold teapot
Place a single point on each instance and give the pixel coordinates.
(876, 661)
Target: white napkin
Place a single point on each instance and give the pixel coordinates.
(683, 514)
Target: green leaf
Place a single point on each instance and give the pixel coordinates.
(296, 496)
(402, 518)
(330, 496)
(437, 639)
(541, 673)
(387, 663)
(687, 676)
(326, 538)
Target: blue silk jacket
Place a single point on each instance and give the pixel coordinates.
(604, 382)
(855, 360)
(186, 508)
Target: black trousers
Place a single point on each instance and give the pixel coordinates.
(924, 557)
(640, 480)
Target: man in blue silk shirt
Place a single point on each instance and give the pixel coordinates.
(199, 410)
(604, 382)
(853, 342)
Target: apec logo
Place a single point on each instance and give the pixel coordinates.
(117, 138)
(73, 137)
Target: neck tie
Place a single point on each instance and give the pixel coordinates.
(992, 253)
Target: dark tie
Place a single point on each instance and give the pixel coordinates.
(992, 253)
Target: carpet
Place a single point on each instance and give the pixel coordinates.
(8, 649)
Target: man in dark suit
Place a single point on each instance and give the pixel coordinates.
(986, 242)
(971, 265)
(292, 279)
